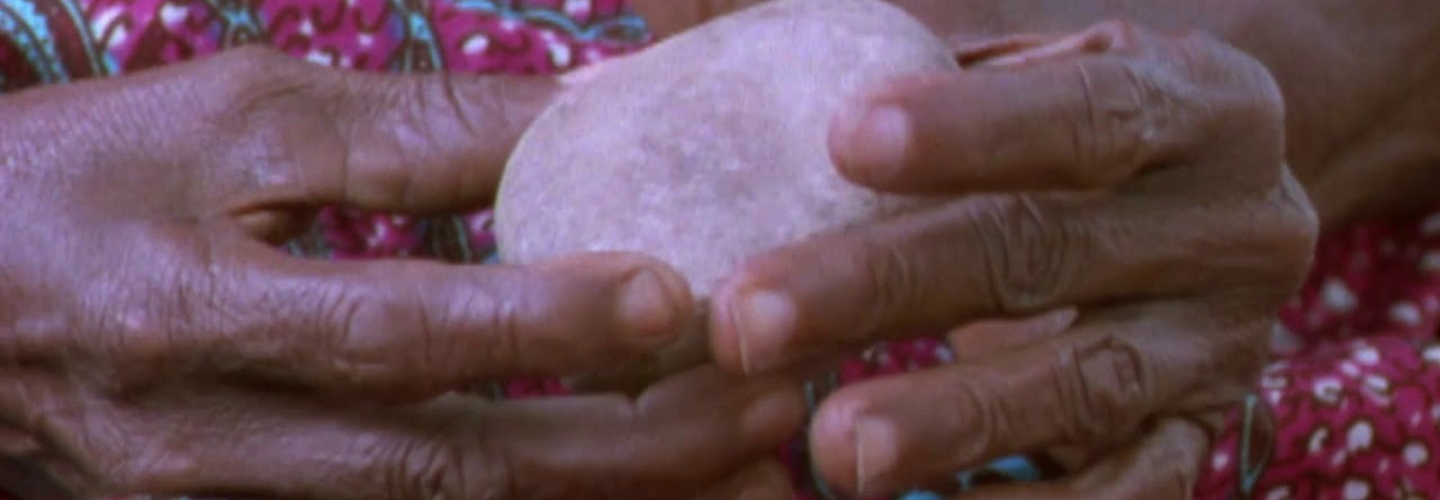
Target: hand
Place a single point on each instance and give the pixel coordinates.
(151, 342)
(1139, 178)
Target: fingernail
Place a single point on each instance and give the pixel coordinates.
(875, 452)
(651, 305)
(871, 141)
(762, 320)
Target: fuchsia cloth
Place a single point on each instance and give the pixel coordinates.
(1350, 408)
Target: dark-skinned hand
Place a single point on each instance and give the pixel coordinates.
(1139, 178)
(153, 342)
(1359, 135)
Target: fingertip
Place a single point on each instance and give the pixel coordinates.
(779, 310)
(870, 141)
(876, 453)
(833, 441)
(654, 303)
(727, 346)
(860, 444)
(750, 327)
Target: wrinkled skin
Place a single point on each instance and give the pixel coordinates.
(189, 357)
(1157, 181)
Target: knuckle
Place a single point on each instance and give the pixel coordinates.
(257, 65)
(263, 107)
(1241, 99)
(969, 401)
(249, 69)
(140, 324)
(339, 318)
(1282, 242)
(473, 111)
(889, 274)
(502, 320)
(29, 333)
(1121, 123)
(153, 471)
(1214, 61)
(255, 84)
(123, 457)
(1261, 108)
(1029, 255)
(408, 105)
(440, 467)
(1268, 102)
(1102, 391)
(133, 343)
(1299, 228)
(357, 330)
(134, 334)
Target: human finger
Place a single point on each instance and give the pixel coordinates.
(1086, 111)
(391, 329)
(235, 442)
(1164, 465)
(984, 339)
(1000, 256)
(420, 328)
(766, 480)
(1091, 388)
(298, 134)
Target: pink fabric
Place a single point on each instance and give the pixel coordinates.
(1350, 408)
(1355, 390)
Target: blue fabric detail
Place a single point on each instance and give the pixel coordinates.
(31, 33)
(630, 27)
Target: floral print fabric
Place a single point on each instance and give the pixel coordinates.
(1348, 410)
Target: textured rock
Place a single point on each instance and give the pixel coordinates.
(711, 146)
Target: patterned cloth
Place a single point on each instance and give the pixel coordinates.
(1349, 410)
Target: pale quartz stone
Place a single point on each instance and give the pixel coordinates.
(711, 146)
